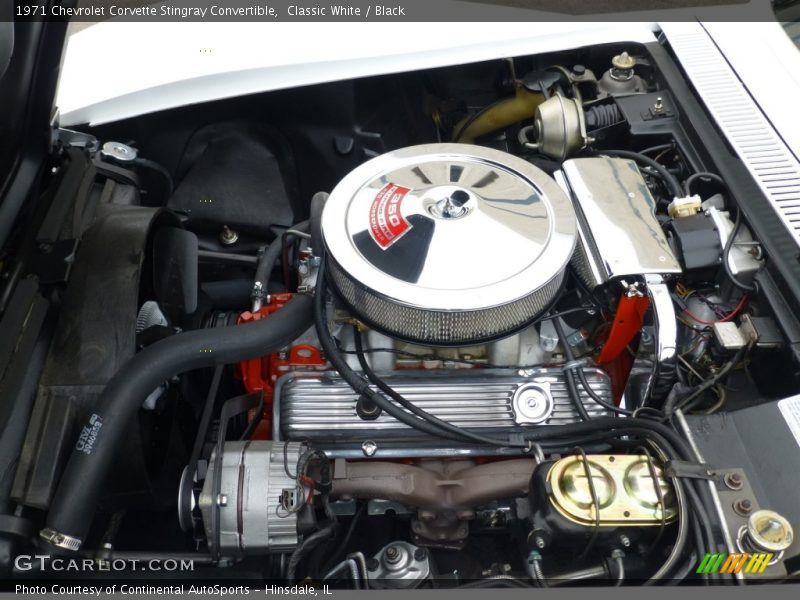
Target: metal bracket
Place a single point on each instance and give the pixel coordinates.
(680, 468)
(666, 337)
(75, 139)
(737, 505)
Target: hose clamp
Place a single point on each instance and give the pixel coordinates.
(572, 365)
(60, 540)
(258, 291)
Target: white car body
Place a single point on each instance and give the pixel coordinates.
(189, 63)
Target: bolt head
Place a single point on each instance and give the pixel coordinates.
(369, 448)
(733, 480)
(743, 507)
(392, 554)
(228, 236)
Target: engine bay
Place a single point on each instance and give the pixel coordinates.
(498, 324)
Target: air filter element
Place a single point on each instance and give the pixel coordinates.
(448, 244)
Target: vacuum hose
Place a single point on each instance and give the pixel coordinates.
(267, 258)
(81, 485)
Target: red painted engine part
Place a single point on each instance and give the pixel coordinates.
(260, 374)
(627, 324)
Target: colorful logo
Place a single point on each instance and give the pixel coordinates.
(735, 563)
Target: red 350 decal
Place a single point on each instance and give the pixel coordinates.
(386, 222)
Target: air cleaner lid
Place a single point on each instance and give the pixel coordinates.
(449, 227)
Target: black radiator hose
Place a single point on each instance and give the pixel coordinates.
(315, 222)
(81, 484)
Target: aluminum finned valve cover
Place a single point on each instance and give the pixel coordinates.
(448, 243)
(321, 407)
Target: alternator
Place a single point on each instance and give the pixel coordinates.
(253, 495)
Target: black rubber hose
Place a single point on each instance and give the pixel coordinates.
(679, 546)
(609, 426)
(355, 381)
(269, 256)
(669, 178)
(687, 185)
(594, 396)
(114, 413)
(154, 166)
(726, 252)
(331, 350)
(572, 387)
(315, 218)
(306, 546)
(700, 527)
(613, 427)
(632, 426)
(227, 257)
(410, 406)
(345, 541)
(700, 175)
(699, 544)
(688, 402)
(602, 427)
(658, 148)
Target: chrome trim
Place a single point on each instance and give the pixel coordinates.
(619, 233)
(666, 337)
(391, 451)
(322, 406)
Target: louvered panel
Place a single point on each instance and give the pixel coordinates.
(766, 156)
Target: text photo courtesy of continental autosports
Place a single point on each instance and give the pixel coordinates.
(298, 299)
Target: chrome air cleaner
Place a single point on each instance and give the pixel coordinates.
(448, 243)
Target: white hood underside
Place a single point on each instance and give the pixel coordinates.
(111, 72)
